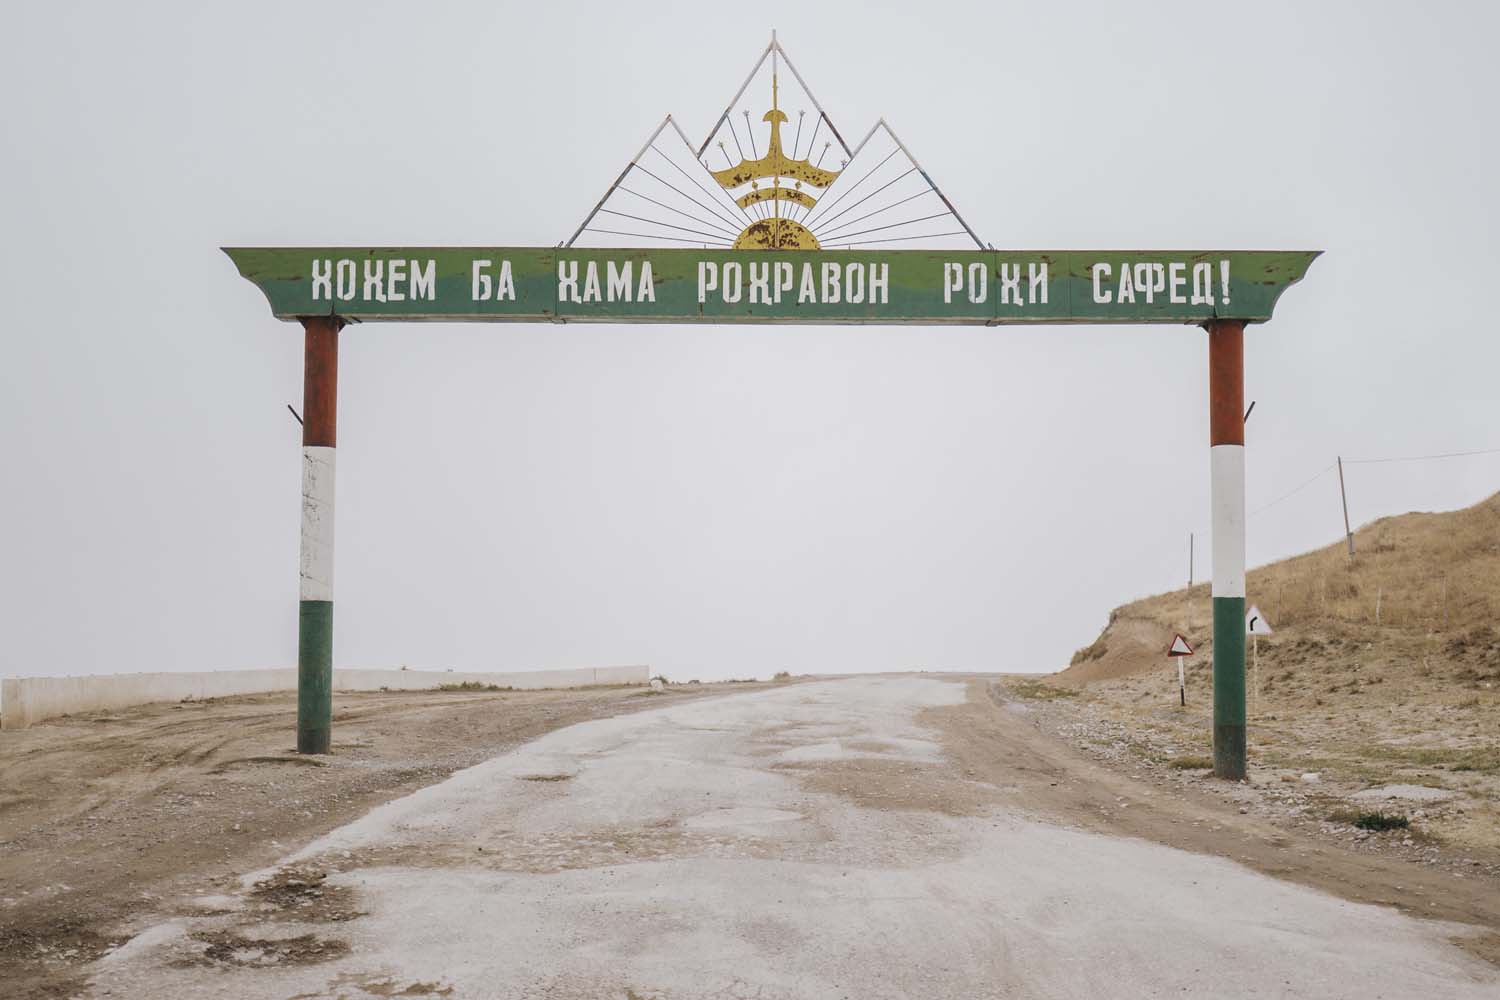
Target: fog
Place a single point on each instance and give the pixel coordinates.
(713, 501)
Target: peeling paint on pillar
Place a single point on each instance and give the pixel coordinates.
(1226, 406)
(315, 561)
(316, 556)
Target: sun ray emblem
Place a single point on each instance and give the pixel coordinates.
(724, 194)
(778, 232)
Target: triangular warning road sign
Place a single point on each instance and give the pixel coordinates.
(1179, 647)
(1255, 622)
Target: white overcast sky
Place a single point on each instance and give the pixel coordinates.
(712, 501)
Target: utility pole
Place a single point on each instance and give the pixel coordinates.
(1189, 591)
(1345, 497)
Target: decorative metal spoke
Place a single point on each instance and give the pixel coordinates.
(857, 183)
(668, 184)
(895, 225)
(868, 215)
(686, 215)
(649, 236)
(853, 205)
(656, 222)
(902, 239)
(773, 198)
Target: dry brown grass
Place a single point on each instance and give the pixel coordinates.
(1413, 697)
(1035, 690)
(1421, 584)
(1191, 763)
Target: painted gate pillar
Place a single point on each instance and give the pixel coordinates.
(1226, 410)
(320, 377)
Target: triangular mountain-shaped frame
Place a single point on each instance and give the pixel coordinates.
(782, 180)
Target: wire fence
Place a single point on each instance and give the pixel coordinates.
(1333, 466)
(1386, 583)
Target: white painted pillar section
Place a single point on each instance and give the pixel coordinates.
(316, 564)
(1227, 468)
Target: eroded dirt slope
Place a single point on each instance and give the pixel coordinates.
(1383, 671)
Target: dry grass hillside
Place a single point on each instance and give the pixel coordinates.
(1383, 669)
(1418, 597)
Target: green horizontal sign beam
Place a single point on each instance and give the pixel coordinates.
(555, 285)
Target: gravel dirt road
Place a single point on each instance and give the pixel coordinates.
(892, 836)
(107, 818)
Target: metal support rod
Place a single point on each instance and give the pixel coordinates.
(728, 108)
(618, 181)
(806, 90)
(735, 206)
(1226, 405)
(320, 379)
(1348, 534)
(1188, 623)
(1255, 667)
(926, 177)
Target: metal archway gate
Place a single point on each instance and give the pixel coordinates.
(777, 237)
(326, 289)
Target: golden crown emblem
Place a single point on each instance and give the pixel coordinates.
(775, 232)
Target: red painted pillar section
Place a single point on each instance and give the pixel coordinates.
(1226, 381)
(320, 383)
(320, 380)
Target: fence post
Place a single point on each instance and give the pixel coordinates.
(1348, 534)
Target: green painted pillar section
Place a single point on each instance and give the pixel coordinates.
(1229, 687)
(315, 677)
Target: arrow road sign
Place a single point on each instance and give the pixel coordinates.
(1255, 622)
(1179, 647)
